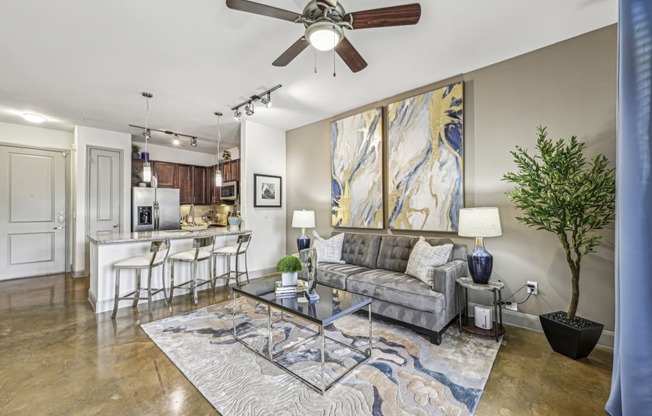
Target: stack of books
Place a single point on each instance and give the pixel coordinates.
(290, 291)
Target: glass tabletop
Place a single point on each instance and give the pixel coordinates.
(332, 303)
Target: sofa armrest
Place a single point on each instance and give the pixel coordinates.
(445, 283)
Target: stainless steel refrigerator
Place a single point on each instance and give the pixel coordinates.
(154, 209)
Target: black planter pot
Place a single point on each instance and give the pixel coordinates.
(574, 339)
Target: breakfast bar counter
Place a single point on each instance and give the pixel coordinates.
(109, 248)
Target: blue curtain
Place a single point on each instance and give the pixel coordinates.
(631, 387)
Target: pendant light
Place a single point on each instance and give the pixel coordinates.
(147, 168)
(218, 173)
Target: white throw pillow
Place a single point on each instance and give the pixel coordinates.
(329, 251)
(424, 258)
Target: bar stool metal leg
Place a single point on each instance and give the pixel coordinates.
(137, 293)
(246, 267)
(116, 299)
(195, 297)
(171, 281)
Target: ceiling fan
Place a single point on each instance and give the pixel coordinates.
(325, 21)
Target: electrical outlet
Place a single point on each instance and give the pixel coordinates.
(535, 290)
(512, 306)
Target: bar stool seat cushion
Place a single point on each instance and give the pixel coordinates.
(140, 261)
(229, 250)
(190, 255)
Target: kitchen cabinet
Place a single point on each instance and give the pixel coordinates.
(213, 192)
(185, 184)
(231, 170)
(199, 185)
(167, 173)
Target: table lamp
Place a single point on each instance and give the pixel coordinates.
(479, 223)
(303, 219)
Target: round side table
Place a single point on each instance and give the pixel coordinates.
(466, 324)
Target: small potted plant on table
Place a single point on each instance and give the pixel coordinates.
(558, 191)
(289, 267)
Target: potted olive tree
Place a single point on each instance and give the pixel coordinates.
(289, 266)
(557, 190)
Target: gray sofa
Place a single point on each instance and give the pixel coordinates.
(375, 266)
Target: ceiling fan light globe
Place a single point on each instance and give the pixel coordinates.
(324, 36)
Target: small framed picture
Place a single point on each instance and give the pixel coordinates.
(267, 191)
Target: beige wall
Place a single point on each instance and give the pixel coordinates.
(569, 87)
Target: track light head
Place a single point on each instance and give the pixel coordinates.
(237, 114)
(267, 100)
(193, 141)
(147, 135)
(249, 109)
(175, 140)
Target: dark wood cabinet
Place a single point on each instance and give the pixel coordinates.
(231, 170)
(213, 192)
(185, 184)
(199, 185)
(167, 174)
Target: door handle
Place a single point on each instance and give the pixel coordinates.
(58, 228)
(116, 225)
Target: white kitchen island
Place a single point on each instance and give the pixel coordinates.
(109, 248)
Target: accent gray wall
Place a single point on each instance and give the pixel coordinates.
(569, 87)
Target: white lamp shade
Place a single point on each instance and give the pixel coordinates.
(147, 172)
(303, 219)
(479, 222)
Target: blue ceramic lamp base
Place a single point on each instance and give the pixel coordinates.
(480, 262)
(303, 242)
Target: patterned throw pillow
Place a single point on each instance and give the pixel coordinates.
(329, 251)
(424, 258)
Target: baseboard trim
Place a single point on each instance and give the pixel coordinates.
(527, 321)
(79, 273)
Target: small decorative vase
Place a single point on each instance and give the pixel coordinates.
(135, 155)
(144, 155)
(289, 279)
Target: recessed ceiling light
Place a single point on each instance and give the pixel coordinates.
(34, 118)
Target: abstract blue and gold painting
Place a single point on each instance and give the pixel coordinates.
(426, 164)
(357, 171)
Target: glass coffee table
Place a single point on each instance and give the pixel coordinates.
(290, 333)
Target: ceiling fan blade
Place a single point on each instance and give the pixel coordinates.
(262, 9)
(292, 52)
(333, 3)
(350, 56)
(408, 14)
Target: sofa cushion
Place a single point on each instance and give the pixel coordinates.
(397, 288)
(335, 275)
(328, 251)
(361, 249)
(394, 252)
(424, 258)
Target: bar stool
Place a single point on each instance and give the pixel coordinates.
(140, 263)
(193, 257)
(240, 248)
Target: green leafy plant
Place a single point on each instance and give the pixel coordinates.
(135, 148)
(288, 264)
(558, 191)
(226, 155)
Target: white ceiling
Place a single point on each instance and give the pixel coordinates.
(83, 62)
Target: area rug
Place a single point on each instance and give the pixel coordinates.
(406, 374)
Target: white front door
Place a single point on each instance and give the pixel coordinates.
(104, 190)
(32, 212)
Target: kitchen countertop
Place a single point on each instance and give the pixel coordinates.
(114, 238)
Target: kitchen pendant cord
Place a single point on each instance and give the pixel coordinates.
(146, 129)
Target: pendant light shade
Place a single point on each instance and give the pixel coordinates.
(218, 177)
(147, 172)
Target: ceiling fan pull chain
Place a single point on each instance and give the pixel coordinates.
(334, 70)
(315, 61)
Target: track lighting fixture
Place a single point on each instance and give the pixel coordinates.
(176, 137)
(264, 97)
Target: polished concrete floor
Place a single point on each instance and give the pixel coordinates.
(58, 358)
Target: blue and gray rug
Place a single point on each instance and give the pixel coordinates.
(405, 376)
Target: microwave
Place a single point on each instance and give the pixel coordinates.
(229, 191)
